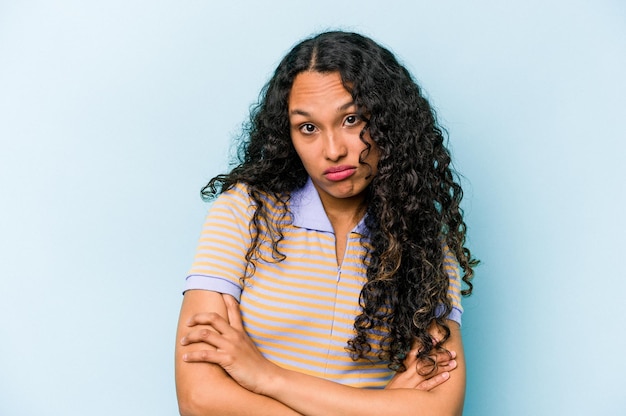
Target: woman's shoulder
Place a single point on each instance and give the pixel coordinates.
(250, 196)
(238, 190)
(237, 194)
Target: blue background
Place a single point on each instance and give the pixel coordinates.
(114, 114)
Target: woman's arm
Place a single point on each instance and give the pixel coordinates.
(204, 388)
(314, 396)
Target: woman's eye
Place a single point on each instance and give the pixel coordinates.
(352, 120)
(307, 128)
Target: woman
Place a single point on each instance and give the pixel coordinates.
(340, 234)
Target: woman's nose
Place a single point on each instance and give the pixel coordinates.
(335, 147)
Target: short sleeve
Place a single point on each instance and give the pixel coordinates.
(220, 260)
(451, 267)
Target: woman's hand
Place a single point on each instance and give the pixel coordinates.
(412, 378)
(233, 350)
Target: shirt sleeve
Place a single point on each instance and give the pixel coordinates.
(220, 260)
(451, 267)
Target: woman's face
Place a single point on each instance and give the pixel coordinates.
(325, 131)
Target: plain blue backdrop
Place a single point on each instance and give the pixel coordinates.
(114, 114)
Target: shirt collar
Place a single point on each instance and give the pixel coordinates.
(308, 211)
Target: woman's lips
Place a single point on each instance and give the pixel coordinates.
(339, 173)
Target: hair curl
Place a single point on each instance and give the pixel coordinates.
(413, 204)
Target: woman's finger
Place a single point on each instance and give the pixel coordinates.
(443, 355)
(234, 314)
(212, 319)
(449, 366)
(204, 335)
(433, 382)
(203, 356)
(436, 363)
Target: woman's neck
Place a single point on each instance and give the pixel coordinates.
(344, 214)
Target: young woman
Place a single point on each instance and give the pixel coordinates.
(327, 278)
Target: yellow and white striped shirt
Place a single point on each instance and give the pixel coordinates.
(300, 311)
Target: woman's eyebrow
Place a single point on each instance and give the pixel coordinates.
(346, 106)
(296, 111)
(343, 107)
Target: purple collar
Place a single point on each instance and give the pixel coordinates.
(308, 211)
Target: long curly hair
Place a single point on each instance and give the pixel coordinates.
(413, 203)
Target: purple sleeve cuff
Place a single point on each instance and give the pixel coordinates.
(455, 314)
(214, 284)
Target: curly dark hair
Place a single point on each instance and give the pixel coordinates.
(413, 209)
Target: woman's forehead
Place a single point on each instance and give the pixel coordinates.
(312, 89)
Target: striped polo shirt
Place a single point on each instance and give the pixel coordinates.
(300, 311)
